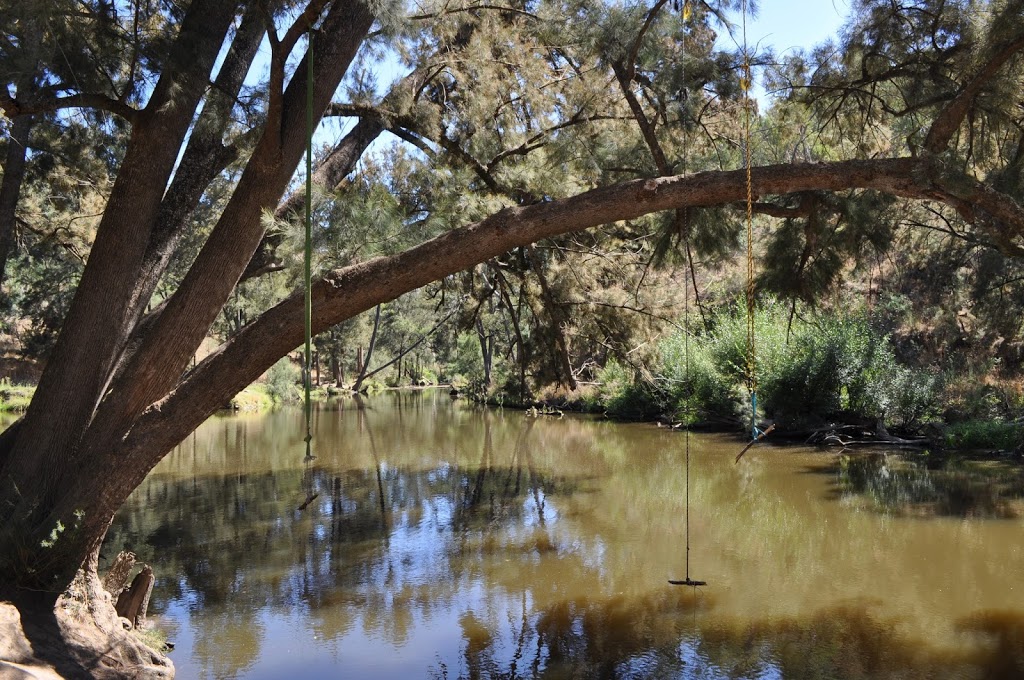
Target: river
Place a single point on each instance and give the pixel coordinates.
(449, 541)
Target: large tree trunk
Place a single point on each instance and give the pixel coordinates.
(51, 514)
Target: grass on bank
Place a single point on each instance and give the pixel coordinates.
(15, 398)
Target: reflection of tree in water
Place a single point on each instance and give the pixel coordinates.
(392, 541)
(488, 543)
(662, 635)
(936, 486)
(577, 638)
(378, 543)
(851, 641)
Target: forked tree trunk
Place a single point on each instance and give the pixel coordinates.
(67, 467)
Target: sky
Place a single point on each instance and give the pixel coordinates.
(787, 24)
(782, 24)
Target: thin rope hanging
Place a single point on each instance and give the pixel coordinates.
(307, 367)
(688, 415)
(308, 265)
(751, 335)
(686, 353)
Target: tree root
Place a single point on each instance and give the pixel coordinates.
(76, 635)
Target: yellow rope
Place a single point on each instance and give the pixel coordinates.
(751, 345)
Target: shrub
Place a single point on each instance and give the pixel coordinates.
(727, 339)
(982, 434)
(911, 396)
(13, 397)
(697, 391)
(841, 365)
(838, 367)
(253, 399)
(283, 380)
(625, 396)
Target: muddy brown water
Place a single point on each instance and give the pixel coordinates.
(448, 541)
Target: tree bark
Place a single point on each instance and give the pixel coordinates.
(117, 577)
(78, 371)
(133, 602)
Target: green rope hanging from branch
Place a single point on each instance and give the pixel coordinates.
(307, 369)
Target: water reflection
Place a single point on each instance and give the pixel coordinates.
(452, 542)
(932, 485)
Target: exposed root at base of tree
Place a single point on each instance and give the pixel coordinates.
(77, 636)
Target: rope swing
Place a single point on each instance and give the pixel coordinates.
(686, 351)
(756, 433)
(686, 367)
(307, 369)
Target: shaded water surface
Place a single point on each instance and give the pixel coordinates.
(451, 542)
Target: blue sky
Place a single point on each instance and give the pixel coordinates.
(782, 24)
(786, 24)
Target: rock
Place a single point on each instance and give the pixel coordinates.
(17, 657)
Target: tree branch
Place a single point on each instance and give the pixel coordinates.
(180, 328)
(203, 158)
(100, 309)
(472, 8)
(354, 289)
(949, 119)
(407, 349)
(84, 100)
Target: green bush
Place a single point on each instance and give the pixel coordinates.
(835, 367)
(697, 391)
(840, 366)
(283, 381)
(727, 339)
(911, 396)
(820, 373)
(15, 398)
(625, 395)
(985, 434)
(253, 399)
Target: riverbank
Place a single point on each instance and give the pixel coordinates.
(985, 437)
